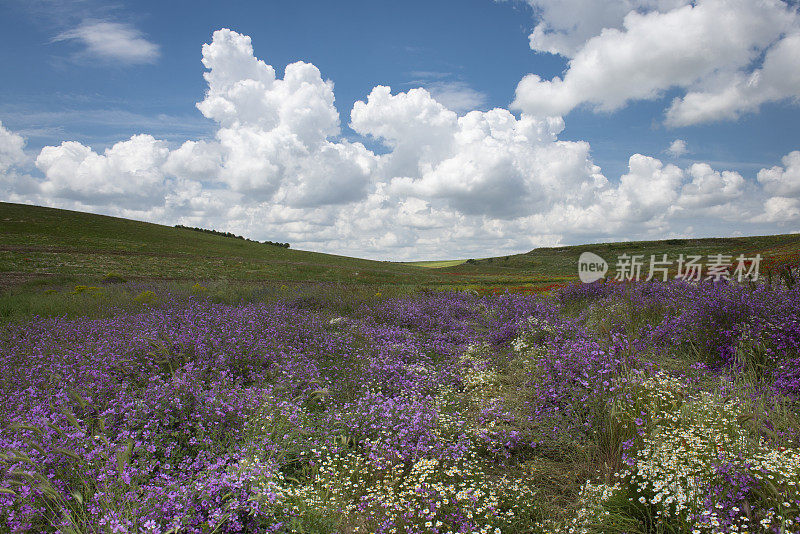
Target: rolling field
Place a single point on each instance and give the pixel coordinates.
(41, 247)
(37, 243)
(162, 380)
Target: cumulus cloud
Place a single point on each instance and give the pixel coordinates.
(448, 184)
(780, 210)
(112, 41)
(783, 181)
(647, 190)
(783, 186)
(128, 173)
(709, 188)
(274, 136)
(706, 47)
(197, 160)
(15, 184)
(564, 25)
(11, 149)
(652, 199)
(777, 79)
(484, 163)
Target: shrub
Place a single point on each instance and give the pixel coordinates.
(91, 290)
(113, 278)
(146, 297)
(198, 289)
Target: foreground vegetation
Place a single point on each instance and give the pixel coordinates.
(638, 408)
(166, 380)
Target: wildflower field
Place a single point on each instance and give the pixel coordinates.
(642, 407)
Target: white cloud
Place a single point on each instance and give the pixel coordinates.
(129, 173)
(645, 193)
(274, 133)
(418, 129)
(564, 25)
(484, 163)
(780, 210)
(457, 95)
(711, 43)
(112, 41)
(710, 188)
(677, 148)
(777, 79)
(782, 181)
(484, 183)
(198, 160)
(651, 200)
(11, 149)
(14, 185)
(407, 118)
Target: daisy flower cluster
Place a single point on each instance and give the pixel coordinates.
(697, 466)
(424, 496)
(477, 371)
(591, 512)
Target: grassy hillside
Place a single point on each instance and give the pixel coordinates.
(39, 243)
(45, 246)
(557, 265)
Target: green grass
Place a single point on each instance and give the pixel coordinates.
(563, 261)
(44, 249)
(39, 243)
(436, 264)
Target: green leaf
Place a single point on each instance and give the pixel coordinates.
(67, 452)
(21, 426)
(77, 398)
(71, 418)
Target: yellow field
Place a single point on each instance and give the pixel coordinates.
(436, 264)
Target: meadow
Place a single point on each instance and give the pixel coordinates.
(488, 396)
(46, 248)
(649, 407)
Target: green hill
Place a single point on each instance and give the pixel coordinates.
(38, 243)
(776, 250)
(41, 246)
(552, 266)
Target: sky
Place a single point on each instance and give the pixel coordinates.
(409, 130)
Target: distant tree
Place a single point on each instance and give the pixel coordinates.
(229, 234)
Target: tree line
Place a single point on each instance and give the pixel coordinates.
(229, 234)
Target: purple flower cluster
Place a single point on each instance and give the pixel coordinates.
(151, 421)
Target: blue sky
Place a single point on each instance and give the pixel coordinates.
(482, 44)
(98, 74)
